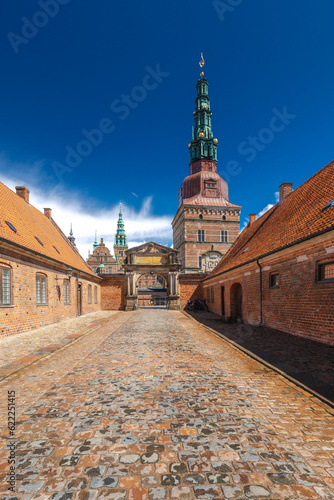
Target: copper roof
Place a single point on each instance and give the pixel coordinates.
(33, 227)
(301, 215)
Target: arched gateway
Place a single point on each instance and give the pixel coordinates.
(152, 258)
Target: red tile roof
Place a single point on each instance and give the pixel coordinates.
(31, 224)
(301, 215)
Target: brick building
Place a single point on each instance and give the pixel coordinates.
(280, 271)
(206, 223)
(101, 260)
(43, 278)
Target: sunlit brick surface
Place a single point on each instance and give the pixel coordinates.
(157, 407)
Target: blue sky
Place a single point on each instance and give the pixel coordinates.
(264, 59)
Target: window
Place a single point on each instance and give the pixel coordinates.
(326, 271)
(39, 241)
(212, 295)
(200, 261)
(110, 270)
(274, 280)
(200, 216)
(146, 283)
(94, 269)
(201, 235)
(5, 286)
(41, 289)
(67, 292)
(223, 236)
(120, 253)
(224, 217)
(13, 228)
(89, 294)
(95, 295)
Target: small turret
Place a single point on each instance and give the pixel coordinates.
(71, 237)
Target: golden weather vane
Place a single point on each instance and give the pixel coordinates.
(201, 63)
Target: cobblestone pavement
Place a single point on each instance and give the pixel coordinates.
(309, 362)
(153, 406)
(19, 350)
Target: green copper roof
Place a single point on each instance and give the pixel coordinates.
(95, 244)
(120, 237)
(203, 145)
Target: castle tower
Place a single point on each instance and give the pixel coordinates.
(206, 223)
(120, 244)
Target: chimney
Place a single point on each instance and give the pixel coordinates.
(284, 190)
(48, 212)
(252, 218)
(23, 192)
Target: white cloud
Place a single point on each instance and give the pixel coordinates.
(263, 211)
(68, 207)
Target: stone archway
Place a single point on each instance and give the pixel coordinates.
(152, 258)
(236, 301)
(152, 290)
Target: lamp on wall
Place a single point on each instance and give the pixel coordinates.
(69, 272)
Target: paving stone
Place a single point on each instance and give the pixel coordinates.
(100, 482)
(157, 493)
(149, 458)
(30, 487)
(178, 468)
(218, 478)
(194, 479)
(160, 408)
(129, 459)
(256, 491)
(207, 491)
(232, 491)
(170, 480)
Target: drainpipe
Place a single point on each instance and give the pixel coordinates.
(261, 297)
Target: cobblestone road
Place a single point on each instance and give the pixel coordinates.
(153, 406)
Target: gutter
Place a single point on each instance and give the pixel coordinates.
(261, 294)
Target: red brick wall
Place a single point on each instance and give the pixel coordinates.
(300, 305)
(190, 288)
(25, 314)
(113, 293)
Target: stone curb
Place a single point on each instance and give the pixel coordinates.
(49, 354)
(312, 392)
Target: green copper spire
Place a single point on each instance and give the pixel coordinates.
(95, 244)
(120, 237)
(203, 145)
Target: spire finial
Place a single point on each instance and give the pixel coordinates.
(120, 206)
(201, 63)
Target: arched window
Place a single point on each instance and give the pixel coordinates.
(89, 294)
(95, 295)
(41, 289)
(200, 216)
(224, 217)
(5, 285)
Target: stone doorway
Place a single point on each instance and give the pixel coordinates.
(152, 259)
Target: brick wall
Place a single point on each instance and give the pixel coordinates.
(185, 232)
(190, 288)
(113, 293)
(24, 314)
(299, 305)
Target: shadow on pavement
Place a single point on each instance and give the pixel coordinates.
(307, 361)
